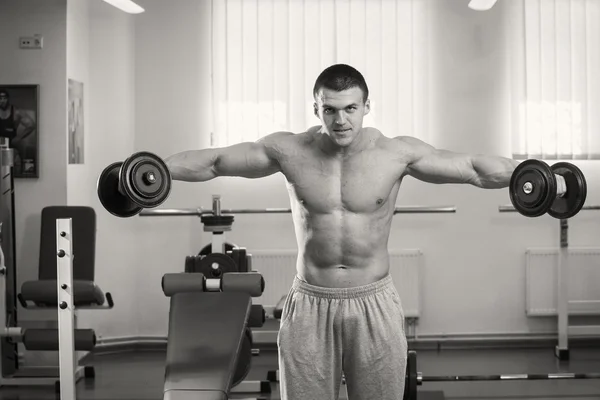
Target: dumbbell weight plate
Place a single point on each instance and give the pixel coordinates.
(532, 188)
(145, 178)
(206, 250)
(410, 383)
(572, 202)
(190, 262)
(110, 197)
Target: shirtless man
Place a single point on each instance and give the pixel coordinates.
(342, 312)
(15, 125)
(11, 118)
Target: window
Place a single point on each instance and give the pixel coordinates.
(266, 55)
(557, 53)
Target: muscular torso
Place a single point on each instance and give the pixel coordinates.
(342, 207)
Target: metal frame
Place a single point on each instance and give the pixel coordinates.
(66, 308)
(565, 306)
(198, 212)
(9, 331)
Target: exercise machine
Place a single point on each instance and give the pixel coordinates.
(216, 259)
(53, 290)
(209, 345)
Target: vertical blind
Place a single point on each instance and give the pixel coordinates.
(267, 54)
(558, 79)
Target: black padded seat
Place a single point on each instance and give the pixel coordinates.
(43, 293)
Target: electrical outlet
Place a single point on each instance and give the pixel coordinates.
(31, 42)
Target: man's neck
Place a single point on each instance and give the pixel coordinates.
(329, 147)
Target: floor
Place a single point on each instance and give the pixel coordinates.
(139, 376)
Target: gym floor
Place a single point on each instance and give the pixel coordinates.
(139, 375)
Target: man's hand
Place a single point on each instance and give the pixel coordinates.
(432, 165)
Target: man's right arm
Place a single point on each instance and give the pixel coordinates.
(248, 160)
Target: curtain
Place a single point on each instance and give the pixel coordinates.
(267, 54)
(557, 80)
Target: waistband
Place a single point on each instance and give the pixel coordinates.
(343, 293)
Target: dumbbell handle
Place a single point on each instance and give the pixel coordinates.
(561, 185)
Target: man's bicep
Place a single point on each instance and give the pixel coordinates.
(248, 160)
(24, 119)
(429, 164)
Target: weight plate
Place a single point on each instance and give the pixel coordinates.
(572, 201)
(410, 385)
(206, 250)
(145, 179)
(532, 188)
(190, 263)
(110, 197)
(215, 265)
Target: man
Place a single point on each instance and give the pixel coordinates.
(343, 312)
(11, 119)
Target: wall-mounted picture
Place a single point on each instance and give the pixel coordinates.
(19, 113)
(76, 135)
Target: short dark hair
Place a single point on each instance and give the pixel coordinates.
(340, 77)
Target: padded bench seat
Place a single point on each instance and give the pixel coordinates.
(43, 293)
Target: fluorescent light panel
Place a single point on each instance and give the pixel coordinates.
(126, 5)
(481, 5)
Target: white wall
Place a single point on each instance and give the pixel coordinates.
(147, 87)
(475, 266)
(474, 271)
(101, 55)
(47, 68)
(173, 114)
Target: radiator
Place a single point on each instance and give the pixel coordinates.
(542, 279)
(279, 268)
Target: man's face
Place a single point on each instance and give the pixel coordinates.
(341, 113)
(3, 101)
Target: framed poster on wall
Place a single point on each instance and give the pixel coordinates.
(19, 115)
(76, 132)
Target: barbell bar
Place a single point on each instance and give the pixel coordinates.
(414, 378)
(181, 212)
(509, 377)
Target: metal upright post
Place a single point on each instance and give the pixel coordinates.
(562, 349)
(66, 308)
(8, 348)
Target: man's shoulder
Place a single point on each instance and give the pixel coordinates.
(281, 144)
(280, 138)
(286, 138)
(400, 143)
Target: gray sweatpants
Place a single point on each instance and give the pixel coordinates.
(358, 331)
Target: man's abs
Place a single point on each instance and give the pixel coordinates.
(342, 209)
(343, 250)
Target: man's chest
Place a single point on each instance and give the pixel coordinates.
(360, 183)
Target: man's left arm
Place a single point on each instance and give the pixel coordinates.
(433, 165)
(26, 122)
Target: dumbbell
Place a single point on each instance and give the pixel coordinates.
(141, 181)
(536, 189)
